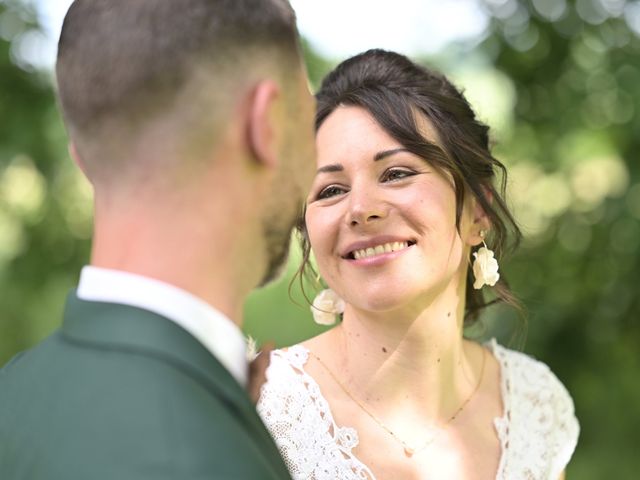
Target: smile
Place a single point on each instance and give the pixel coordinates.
(379, 250)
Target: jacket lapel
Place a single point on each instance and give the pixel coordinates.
(125, 328)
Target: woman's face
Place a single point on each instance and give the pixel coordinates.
(381, 220)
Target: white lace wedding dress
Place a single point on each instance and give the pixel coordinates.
(538, 430)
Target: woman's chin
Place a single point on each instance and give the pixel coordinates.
(399, 300)
(382, 304)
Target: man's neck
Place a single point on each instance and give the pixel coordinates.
(213, 267)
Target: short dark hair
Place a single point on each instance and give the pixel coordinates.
(123, 61)
(393, 89)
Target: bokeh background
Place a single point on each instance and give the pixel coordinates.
(558, 81)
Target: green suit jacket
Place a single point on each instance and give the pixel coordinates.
(121, 393)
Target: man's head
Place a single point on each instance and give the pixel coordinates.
(154, 92)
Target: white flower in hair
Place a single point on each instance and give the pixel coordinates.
(485, 268)
(326, 306)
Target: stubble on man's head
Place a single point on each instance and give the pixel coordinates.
(147, 86)
(124, 67)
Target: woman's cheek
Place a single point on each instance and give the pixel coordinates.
(322, 230)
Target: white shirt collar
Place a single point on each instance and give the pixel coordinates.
(212, 329)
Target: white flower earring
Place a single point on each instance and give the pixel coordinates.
(485, 266)
(326, 307)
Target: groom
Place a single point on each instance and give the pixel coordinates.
(193, 121)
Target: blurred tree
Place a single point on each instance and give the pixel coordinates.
(43, 222)
(574, 150)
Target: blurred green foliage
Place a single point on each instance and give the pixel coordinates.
(41, 248)
(575, 67)
(560, 80)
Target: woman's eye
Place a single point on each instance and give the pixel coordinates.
(396, 174)
(330, 191)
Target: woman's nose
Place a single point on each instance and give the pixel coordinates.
(365, 207)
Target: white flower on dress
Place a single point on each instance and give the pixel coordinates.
(485, 268)
(252, 349)
(326, 306)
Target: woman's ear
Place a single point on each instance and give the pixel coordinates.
(262, 123)
(480, 220)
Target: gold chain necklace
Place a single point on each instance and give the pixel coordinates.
(408, 449)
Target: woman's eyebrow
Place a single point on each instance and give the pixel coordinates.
(387, 153)
(337, 167)
(334, 167)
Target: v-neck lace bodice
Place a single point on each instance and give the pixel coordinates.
(538, 430)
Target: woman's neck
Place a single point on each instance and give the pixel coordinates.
(405, 362)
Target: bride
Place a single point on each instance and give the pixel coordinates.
(404, 220)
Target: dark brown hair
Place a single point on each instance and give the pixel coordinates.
(121, 62)
(393, 89)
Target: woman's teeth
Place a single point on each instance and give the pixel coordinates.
(379, 249)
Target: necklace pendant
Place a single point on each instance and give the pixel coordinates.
(409, 451)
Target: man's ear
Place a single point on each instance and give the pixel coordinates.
(73, 153)
(261, 124)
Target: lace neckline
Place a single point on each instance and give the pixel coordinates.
(346, 438)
